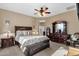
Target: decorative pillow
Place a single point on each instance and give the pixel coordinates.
(24, 33)
(18, 33)
(29, 32)
(74, 38)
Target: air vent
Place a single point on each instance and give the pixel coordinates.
(42, 21)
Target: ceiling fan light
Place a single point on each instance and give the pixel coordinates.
(42, 11)
(35, 9)
(46, 8)
(41, 7)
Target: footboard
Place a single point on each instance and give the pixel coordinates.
(34, 48)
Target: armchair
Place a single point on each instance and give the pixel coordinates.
(72, 52)
(73, 40)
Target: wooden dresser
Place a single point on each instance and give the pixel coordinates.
(59, 29)
(60, 38)
(7, 42)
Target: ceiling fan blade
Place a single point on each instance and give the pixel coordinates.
(35, 13)
(46, 8)
(36, 10)
(47, 12)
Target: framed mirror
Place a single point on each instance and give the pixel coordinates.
(60, 27)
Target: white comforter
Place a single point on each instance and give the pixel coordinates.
(28, 40)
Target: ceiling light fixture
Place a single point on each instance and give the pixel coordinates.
(42, 11)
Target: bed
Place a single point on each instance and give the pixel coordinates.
(30, 44)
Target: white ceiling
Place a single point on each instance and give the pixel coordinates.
(28, 8)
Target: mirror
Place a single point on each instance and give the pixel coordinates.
(60, 27)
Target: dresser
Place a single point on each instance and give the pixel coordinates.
(56, 37)
(59, 29)
(7, 42)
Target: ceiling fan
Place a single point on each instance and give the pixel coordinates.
(43, 11)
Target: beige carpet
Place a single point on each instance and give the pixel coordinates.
(11, 51)
(54, 47)
(15, 50)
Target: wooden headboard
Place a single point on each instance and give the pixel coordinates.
(21, 28)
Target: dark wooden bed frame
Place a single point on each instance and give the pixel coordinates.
(34, 48)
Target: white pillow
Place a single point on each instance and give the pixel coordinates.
(73, 37)
(24, 33)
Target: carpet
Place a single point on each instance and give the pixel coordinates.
(54, 50)
(11, 51)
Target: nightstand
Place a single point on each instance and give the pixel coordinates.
(7, 42)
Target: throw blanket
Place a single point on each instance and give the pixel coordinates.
(28, 40)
